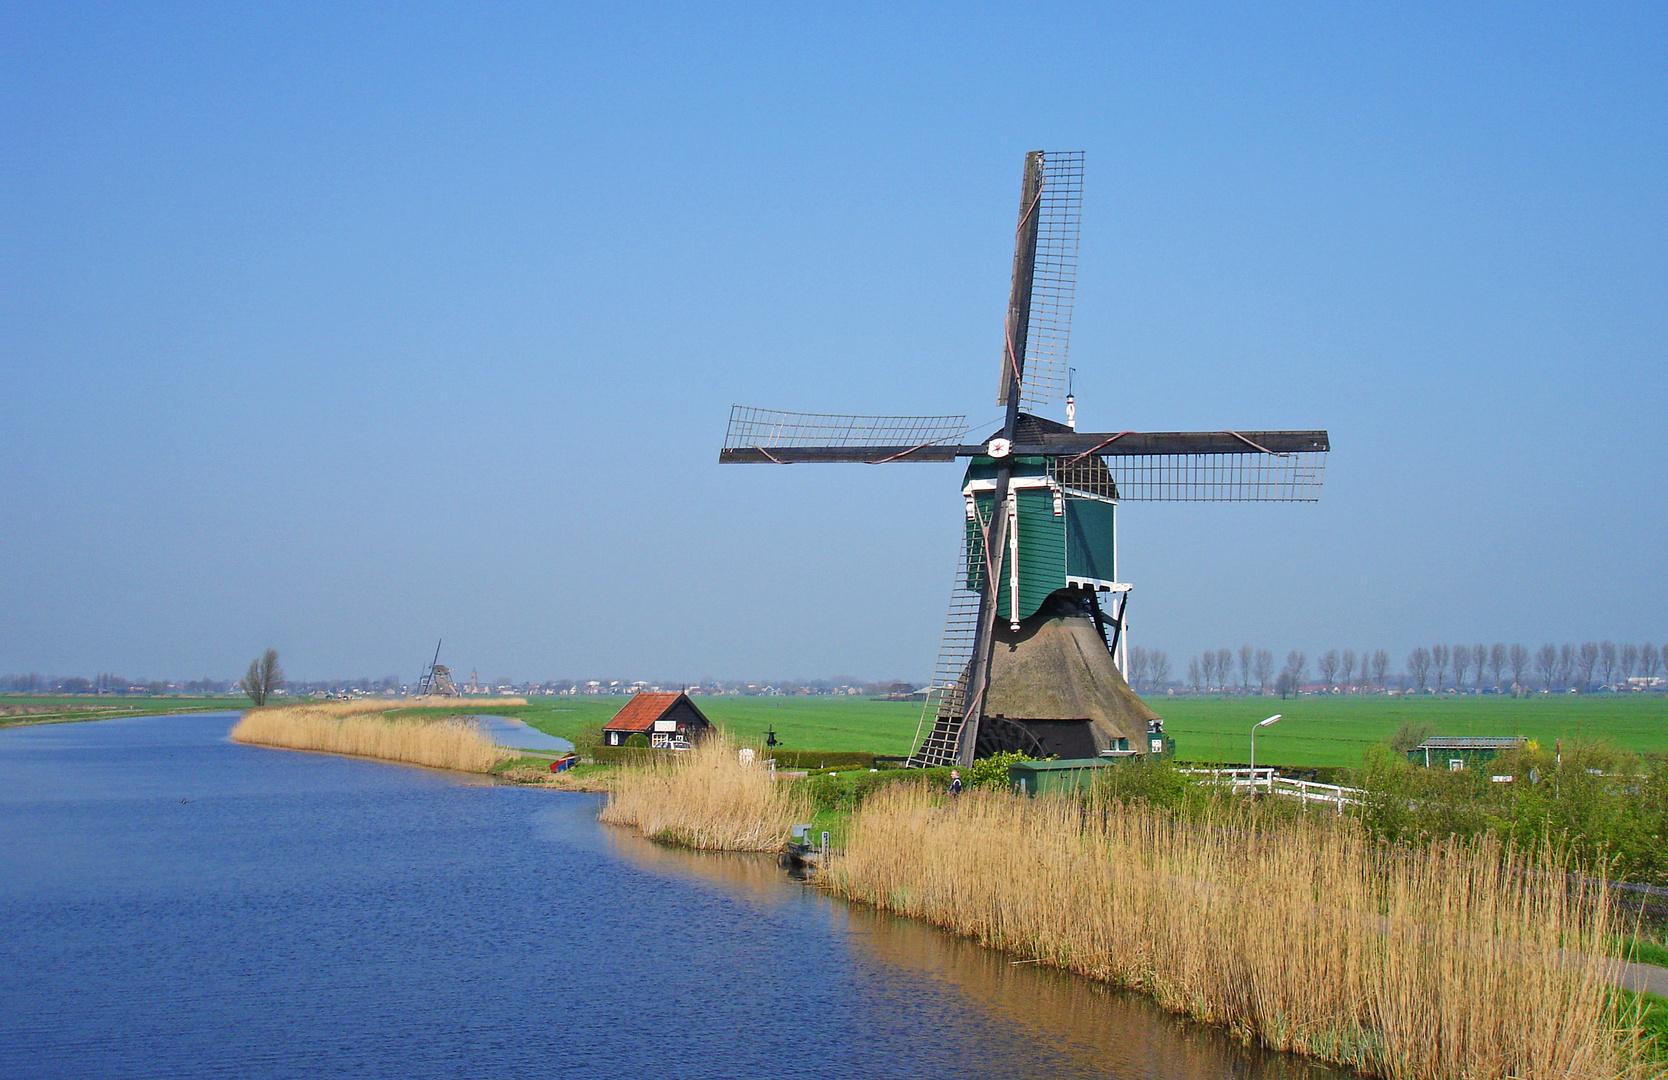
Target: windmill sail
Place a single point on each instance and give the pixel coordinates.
(1293, 476)
(768, 435)
(1047, 335)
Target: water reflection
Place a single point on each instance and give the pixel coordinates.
(1088, 1029)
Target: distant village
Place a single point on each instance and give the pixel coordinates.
(106, 684)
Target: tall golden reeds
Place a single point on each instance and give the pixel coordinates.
(706, 798)
(1464, 960)
(358, 728)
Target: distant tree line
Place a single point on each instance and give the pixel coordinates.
(1584, 668)
(1501, 668)
(106, 683)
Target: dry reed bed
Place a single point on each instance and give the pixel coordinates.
(1463, 961)
(706, 798)
(359, 729)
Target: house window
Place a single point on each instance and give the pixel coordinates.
(1456, 764)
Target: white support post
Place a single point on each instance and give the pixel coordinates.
(1013, 560)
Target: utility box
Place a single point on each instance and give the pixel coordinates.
(1059, 777)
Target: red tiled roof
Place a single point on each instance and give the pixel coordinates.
(641, 712)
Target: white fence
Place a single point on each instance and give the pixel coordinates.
(1265, 779)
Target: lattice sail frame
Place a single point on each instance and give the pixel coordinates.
(1053, 278)
(1250, 477)
(764, 429)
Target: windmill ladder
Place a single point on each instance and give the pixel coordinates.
(946, 703)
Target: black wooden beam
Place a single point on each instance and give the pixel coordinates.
(1105, 443)
(1153, 443)
(871, 455)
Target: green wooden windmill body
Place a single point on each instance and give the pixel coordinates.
(1064, 538)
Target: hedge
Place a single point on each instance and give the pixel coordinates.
(821, 759)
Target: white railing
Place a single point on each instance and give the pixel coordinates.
(1265, 779)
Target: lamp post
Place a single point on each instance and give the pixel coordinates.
(1259, 724)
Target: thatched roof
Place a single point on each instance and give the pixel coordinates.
(1056, 667)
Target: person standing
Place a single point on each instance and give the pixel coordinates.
(955, 782)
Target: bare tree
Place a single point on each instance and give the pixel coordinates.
(1546, 662)
(1439, 664)
(1137, 667)
(1630, 661)
(1462, 664)
(1381, 668)
(1346, 667)
(1194, 676)
(1419, 667)
(1518, 659)
(1566, 665)
(1329, 662)
(1264, 669)
(1585, 662)
(1648, 661)
(1298, 665)
(1497, 663)
(1160, 661)
(1225, 668)
(1608, 659)
(1245, 657)
(264, 676)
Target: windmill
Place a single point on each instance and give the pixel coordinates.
(1030, 658)
(437, 678)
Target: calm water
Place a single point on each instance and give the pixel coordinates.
(173, 905)
(517, 735)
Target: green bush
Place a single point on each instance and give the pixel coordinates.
(821, 759)
(613, 755)
(992, 772)
(847, 792)
(1607, 807)
(637, 741)
(1153, 780)
(827, 793)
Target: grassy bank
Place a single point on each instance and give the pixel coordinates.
(18, 709)
(705, 798)
(361, 729)
(1462, 959)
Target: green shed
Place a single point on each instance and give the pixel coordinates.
(1059, 777)
(1456, 752)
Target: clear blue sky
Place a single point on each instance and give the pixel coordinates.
(342, 328)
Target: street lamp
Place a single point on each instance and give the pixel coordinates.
(1259, 724)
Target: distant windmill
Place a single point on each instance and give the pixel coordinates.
(437, 678)
(1028, 660)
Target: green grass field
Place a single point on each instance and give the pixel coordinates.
(1332, 731)
(1316, 731)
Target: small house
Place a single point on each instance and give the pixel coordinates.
(1459, 752)
(668, 721)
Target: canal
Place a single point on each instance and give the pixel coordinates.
(174, 905)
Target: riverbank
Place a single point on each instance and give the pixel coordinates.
(362, 729)
(707, 799)
(1298, 934)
